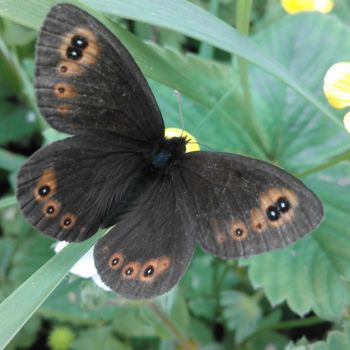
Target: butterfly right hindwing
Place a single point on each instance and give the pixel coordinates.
(149, 249)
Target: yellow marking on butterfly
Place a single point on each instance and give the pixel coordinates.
(46, 187)
(191, 146)
(63, 90)
(238, 230)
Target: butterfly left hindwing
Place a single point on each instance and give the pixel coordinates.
(65, 189)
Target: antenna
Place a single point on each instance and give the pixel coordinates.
(179, 101)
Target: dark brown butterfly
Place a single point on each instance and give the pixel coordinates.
(119, 169)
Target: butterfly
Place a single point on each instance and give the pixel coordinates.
(119, 170)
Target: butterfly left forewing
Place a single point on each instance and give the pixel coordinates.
(148, 250)
(86, 80)
(240, 206)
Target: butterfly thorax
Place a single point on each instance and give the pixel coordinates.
(167, 152)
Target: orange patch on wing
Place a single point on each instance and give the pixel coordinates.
(131, 270)
(157, 265)
(46, 187)
(238, 230)
(63, 109)
(68, 68)
(270, 198)
(67, 221)
(51, 208)
(258, 220)
(153, 264)
(63, 90)
(116, 260)
(218, 233)
(90, 54)
(163, 263)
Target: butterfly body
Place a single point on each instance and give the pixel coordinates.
(119, 170)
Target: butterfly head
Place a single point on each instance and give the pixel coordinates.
(168, 151)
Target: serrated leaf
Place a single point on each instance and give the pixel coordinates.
(241, 313)
(314, 273)
(295, 134)
(98, 338)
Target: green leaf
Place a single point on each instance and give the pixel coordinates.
(29, 256)
(241, 313)
(27, 336)
(295, 134)
(16, 309)
(15, 123)
(10, 161)
(100, 338)
(7, 201)
(68, 303)
(180, 16)
(298, 137)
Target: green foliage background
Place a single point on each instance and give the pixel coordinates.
(294, 298)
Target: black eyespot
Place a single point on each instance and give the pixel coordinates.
(74, 53)
(239, 232)
(149, 271)
(61, 90)
(67, 222)
(50, 209)
(79, 41)
(272, 213)
(283, 204)
(129, 271)
(44, 191)
(115, 261)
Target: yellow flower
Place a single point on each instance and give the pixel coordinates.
(336, 88)
(346, 122)
(294, 6)
(192, 144)
(336, 85)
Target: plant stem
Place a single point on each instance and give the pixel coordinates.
(243, 10)
(206, 50)
(283, 325)
(27, 89)
(180, 338)
(310, 321)
(338, 159)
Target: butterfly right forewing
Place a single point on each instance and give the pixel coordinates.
(239, 206)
